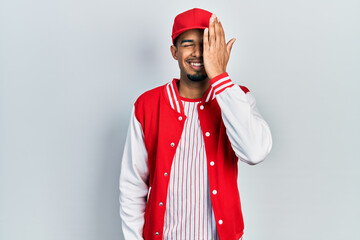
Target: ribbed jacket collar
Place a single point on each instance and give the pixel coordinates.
(174, 98)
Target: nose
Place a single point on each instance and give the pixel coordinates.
(198, 50)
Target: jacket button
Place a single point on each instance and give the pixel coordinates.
(160, 204)
(165, 174)
(220, 221)
(180, 118)
(214, 192)
(201, 107)
(172, 144)
(157, 233)
(212, 163)
(207, 134)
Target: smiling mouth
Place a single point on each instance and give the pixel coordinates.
(197, 66)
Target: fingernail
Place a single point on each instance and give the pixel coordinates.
(212, 18)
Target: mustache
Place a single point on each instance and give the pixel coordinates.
(195, 59)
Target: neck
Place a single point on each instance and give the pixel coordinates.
(192, 90)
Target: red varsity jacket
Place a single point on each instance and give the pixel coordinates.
(232, 129)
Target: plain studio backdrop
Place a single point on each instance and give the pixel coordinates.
(70, 72)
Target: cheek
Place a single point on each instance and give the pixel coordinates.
(184, 53)
(181, 59)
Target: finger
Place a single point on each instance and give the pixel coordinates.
(206, 39)
(212, 31)
(220, 34)
(229, 45)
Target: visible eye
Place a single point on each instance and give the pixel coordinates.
(188, 45)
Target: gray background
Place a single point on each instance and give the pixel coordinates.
(71, 70)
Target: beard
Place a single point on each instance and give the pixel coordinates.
(197, 77)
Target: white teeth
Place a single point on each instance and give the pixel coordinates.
(197, 64)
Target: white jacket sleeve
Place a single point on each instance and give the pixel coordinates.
(249, 134)
(133, 181)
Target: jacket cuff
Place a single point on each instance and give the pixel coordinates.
(221, 82)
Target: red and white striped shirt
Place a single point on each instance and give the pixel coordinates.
(189, 213)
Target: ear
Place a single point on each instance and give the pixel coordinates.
(174, 50)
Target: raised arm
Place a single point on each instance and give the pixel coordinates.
(248, 133)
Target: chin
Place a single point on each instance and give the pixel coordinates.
(197, 77)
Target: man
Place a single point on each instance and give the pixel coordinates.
(179, 170)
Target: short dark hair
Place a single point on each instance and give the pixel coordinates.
(176, 41)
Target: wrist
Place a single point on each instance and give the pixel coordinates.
(213, 75)
(221, 82)
(215, 78)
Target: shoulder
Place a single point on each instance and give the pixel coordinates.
(150, 96)
(148, 101)
(245, 89)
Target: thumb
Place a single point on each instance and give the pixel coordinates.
(230, 44)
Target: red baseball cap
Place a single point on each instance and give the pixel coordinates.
(195, 18)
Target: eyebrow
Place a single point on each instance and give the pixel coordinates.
(183, 41)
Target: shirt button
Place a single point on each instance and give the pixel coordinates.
(172, 144)
(160, 204)
(180, 118)
(201, 107)
(207, 134)
(165, 174)
(220, 221)
(157, 233)
(214, 192)
(212, 163)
